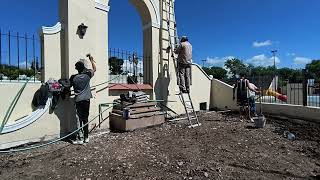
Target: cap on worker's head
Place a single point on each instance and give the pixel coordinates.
(184, 38)
(80, 66)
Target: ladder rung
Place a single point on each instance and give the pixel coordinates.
(174, 36)
(194, 125)
(178, 119)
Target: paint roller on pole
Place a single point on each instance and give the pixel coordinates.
(90, 57)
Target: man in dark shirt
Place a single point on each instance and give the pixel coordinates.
(81, 86)
(242, 86)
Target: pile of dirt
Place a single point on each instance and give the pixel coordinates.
(223, 147)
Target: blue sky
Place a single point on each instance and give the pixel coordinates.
(217, 29)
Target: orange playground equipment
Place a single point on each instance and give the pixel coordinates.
(279, 96)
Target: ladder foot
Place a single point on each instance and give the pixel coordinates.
(194, 125)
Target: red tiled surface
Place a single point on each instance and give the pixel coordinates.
(130, 87)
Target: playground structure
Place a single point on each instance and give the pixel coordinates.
(83, 28)
(277, 95)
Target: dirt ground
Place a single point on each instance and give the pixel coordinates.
(222, 148)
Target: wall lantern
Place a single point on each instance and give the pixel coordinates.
(82, 29)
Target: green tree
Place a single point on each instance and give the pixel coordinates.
(235, 66)
(313, 69)
(216, 72)
(263, 71)
(115, 65)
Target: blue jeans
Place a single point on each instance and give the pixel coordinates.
(252, 104)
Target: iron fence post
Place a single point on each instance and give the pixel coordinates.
(26, 41)
(9, 49)
(304, 88)
(0, 49)
(18, 49)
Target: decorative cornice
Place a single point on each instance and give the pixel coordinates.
(101, 6)
(156, 10)
(51, 30)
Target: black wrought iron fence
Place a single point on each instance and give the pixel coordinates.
(297, 89)
(19, 57)
(127, 67)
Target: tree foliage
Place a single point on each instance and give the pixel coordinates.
(216, 72)
(115, 65)
(313, 69)
(235, 66)
(13, 72)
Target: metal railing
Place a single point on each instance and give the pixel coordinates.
(129, 65)
(19, 57)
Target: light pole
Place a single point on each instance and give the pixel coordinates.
(203, 61)
(274, 59)
(274, 71)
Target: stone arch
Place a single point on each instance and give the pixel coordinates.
(150, 17)
(149, 12)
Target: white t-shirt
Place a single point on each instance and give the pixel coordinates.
(251, 93)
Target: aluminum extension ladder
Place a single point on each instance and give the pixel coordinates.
(184, 97)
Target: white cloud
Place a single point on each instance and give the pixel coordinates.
(217, 61)
(301, 60)
(262, 44)
(262, 60)
(128, 66)
(291, 54)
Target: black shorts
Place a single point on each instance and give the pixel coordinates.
(83, 108)
(242, 100)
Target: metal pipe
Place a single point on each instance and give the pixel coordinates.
(26, 43)
(9, 49)
(18, 49)
(0, 49)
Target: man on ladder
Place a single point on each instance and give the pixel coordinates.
(184, 60)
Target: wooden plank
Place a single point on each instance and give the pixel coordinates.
(135, 105)
(146, 104)
(144, 110)
(139, 116)
(138, 111)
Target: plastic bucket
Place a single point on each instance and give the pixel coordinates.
(259, 121)
(126, 113)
